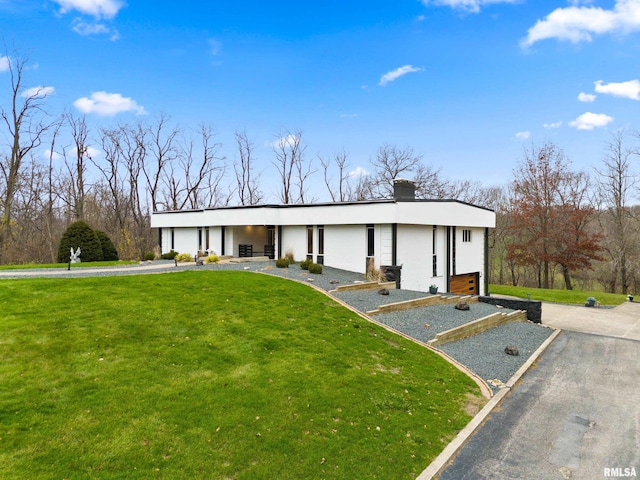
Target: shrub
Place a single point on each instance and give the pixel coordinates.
(315, 268)
(170, 255)
(282, 262)
(109, 251)
(149, 256)
(288, 256)
(80, 234)
(184, 257)
(213, 258)
(304, 264)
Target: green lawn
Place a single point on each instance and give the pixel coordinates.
(65, 265)
(558, 296)
(212, 375)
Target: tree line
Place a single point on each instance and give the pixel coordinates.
(555, 226)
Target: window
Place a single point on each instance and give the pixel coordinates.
(371, 250)
(199, 239)
(320, 240)
(173, 238)
(434, 251)
(320, 244)
(466, 236)
(310, 242)
(206, 238)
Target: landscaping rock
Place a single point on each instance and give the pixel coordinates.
(464, 306)
(383, 291)
(512, 350)
(333, 282)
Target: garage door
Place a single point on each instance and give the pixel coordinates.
(466, 284)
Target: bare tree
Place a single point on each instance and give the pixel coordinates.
(25, 129)
(342, 191)
(391, 163)
(617, 182)
(248, 183)
(77, 166)
(291, 166)
(162, 151)
(196, 181)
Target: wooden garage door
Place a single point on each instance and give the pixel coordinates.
(466, 284)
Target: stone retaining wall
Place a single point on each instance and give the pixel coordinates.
(532, 307)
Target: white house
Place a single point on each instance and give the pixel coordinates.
(436, 242)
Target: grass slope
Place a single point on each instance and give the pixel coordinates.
(212, 375)
(578, 297)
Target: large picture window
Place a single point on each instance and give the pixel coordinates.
(310, 242)
(434, 250)
(320, 259)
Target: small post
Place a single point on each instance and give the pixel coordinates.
(69, 266)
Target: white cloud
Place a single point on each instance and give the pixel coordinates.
(108, 104)
(472, 6)
(358, 172)
(586, 97)
(283, 142)
(4, 64)
(589, 121)
(630, 89)
(348, 115)
(53, 155)
(397, 73)
(37, 92)
(86, 29)
(523, 135)
(95, 8)
(552, 125)
(215, 46)
(578, 23)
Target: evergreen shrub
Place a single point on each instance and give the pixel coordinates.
(80, 234)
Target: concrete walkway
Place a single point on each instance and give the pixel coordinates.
(622, 321)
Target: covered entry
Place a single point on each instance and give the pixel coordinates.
(466, 284)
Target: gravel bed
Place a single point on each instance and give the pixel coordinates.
(294, 272)
(484, 353)
(366, 300)
(424, 323)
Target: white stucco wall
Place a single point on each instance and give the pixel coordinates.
(186, 240)
(385, 212)
(294, 239)
(345, 247)
(470, 255)
(215, 240)
(415, 254)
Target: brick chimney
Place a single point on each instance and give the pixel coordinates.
(404, 190)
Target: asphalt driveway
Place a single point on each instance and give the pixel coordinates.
(574, 415)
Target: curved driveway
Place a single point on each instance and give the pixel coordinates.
(576, 414)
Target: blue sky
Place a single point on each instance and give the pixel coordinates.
(467, 83)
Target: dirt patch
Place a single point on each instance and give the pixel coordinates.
(474, 404)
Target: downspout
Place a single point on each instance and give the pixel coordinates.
(486, 261)
(448, 272)
(394, 244)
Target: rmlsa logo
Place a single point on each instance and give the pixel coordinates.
(620, 472)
